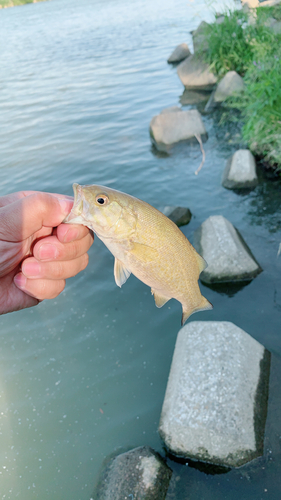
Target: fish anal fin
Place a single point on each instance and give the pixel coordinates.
(204, 305)
(121, 273)
(144, 253)
(160, 300)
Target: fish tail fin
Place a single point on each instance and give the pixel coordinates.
(204, 305)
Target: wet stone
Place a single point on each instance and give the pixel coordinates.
(138, 474)
(192, 97)
(181, 52)
(195, 74)
(240, 171)
(228, 257)
(215, 405)
(173, 125)
(179, 215)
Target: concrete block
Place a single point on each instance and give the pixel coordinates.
(138, 474)
(240, 171)
(227, 254)
(215, 404)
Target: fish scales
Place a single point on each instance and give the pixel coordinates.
(144, 242)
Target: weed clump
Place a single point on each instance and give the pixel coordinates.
(249, 44)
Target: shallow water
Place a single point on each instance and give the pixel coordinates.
(83, 377)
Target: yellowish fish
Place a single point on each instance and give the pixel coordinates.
(144, 242)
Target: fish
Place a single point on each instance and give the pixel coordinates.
(145, 243)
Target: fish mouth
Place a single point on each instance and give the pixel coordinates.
(76, 213)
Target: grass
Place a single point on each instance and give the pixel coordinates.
(254, 51)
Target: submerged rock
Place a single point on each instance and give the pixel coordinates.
(215, 404)
(179, 215)
(240, 171)
(181, 52)
(228, 256)
(192, 97)
(195, 74)
(173, 125)
(140, 473)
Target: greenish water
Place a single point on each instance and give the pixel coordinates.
(84, 376)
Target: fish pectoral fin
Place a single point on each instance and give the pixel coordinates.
(187, 311)
(160, 300)
(121, 273)
(144, 253)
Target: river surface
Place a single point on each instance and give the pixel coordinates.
(83, 377)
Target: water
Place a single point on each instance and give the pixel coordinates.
(84, 376)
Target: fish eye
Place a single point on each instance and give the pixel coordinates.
(102, 199)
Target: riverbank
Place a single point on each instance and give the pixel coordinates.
(14, 3)
(248, 41)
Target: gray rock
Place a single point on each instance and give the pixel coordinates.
(140, 473)
(220, 19)
(277, 28)
(215, 404)
(199, 37)
(231, 84)
(179, 215)
(195, 74)
(192, 97)
(240, 171)
(181, 52)
(174, 125)
(228, 256)
(274, 25)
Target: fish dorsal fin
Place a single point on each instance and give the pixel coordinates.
(144, 253)
(160, 300)
(204, 305)
(121, 273)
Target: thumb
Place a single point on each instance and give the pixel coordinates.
(26, 216)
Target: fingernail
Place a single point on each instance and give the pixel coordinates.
(66, 205)
(20, 280)
(71, 235)
(31, 269)
(48, 252)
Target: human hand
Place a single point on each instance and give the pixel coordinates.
(37, 252)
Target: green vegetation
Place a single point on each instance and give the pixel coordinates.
(13, 3)
(250, 44)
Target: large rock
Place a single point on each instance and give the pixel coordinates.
(240, 171)
(228, 256)
(199, 37)
(195, 74)
(181, 52)
(215, 404)
(231, 84)
(138, 474)
(174, 125)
